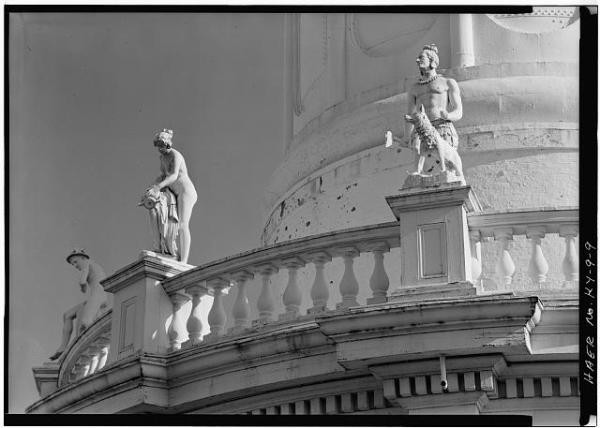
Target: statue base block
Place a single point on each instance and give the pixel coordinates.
(432, 292)
(165, 258)
(437, 180)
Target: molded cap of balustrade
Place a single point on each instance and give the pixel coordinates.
(420, 199)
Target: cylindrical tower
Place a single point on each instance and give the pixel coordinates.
(346, 82)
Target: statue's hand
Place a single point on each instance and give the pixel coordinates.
(444, 114)
(153, 191)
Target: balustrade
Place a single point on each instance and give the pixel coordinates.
(541, 229)
(531, 227)
(88, 353)
(264, 263)
(527, 248)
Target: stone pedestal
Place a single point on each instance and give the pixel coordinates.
(46, 378)
(141, 306)
(434, 241)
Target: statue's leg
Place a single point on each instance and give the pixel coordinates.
(68, 319)
(457, 161)
(420, 164)
(441, 148)
(185, 203)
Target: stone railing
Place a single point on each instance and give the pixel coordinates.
(215, 278)
(319, 250)
(518, 261)
(88, 353)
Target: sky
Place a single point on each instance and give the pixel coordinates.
(87, 93)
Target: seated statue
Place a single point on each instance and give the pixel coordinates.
(92, 307)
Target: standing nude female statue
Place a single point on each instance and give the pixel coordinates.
(174, 178)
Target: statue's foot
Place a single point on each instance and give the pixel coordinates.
(57, 354)
(415, 173)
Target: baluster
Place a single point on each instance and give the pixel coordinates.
(379, 281)
(538, 266)
(348, 284)
(194, 323)
(319, 292)
(217, 316)
(176, 331)
(266, 302)
(241, 306)
(94, 351)
(292, 296)
(476, 264)
(81, 367)
(104, 344)
(103, 357)
(73, 374)
(77, 372)
(505, 266)
(87, 363)
(570, 264)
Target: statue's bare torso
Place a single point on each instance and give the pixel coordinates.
(433, 96)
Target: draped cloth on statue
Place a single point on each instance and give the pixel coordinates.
(166, 221)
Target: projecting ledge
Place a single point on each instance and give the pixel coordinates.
(426, 198)
(401, 331)
(137, 380)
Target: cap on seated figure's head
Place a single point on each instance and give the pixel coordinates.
(164, 137)
(77, 252)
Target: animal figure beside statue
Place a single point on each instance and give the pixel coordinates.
(427, 139)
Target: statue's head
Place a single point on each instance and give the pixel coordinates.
(164, 140)
(428, 58)
(78, 258)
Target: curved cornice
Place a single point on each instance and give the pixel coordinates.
(285, 356)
